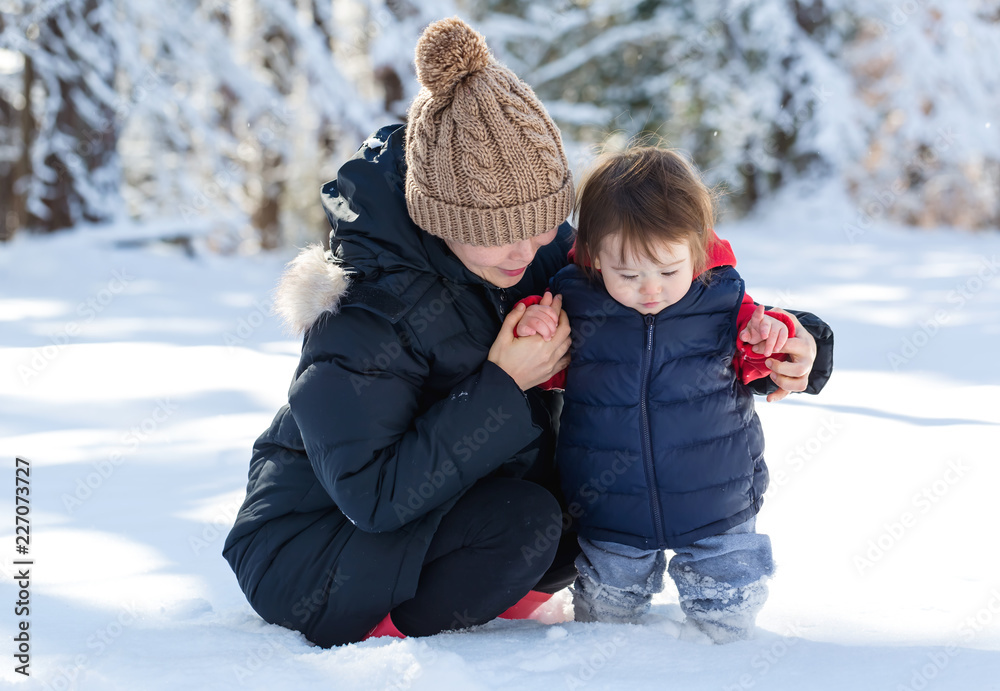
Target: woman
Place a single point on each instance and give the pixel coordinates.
(407, 482)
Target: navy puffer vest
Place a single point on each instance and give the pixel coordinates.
(659, 444)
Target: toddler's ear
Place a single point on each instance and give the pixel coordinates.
(597, 263)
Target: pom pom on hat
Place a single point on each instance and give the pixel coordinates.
(448, 51)
(485, 165)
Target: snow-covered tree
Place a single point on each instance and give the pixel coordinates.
(16, 128)
(74, 166)
(253, 110)
(894, 99)
(214, 107)
(927, 75)
(738, 85)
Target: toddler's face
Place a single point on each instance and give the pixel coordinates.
(643, 284)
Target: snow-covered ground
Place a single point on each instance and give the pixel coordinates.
(135, 381)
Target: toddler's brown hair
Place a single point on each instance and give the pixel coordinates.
(648, 194)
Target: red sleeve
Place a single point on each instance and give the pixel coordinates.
(750, 365)
(558, 380)
(746, 311)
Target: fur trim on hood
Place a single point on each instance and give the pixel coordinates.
(310, 286)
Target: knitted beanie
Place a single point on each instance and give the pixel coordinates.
(485, 163)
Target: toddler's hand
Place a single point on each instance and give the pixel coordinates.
(541, 319)
(766, 334)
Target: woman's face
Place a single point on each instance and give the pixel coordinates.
(502, 266)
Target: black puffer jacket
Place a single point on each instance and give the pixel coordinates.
(393, 410)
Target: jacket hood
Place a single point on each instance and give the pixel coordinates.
(372, 238)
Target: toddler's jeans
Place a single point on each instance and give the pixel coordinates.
(721, 581)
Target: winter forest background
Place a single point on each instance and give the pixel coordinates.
(226, 116)
(150, 149)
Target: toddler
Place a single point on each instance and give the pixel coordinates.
(659, 445)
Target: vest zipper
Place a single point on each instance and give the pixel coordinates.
(647, 445)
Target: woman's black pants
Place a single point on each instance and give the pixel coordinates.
(499, 541)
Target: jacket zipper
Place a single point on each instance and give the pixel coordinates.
(647, 445)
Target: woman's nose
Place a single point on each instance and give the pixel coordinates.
(523, 251)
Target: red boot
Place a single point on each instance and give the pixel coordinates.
(384, 628)
(526, 606)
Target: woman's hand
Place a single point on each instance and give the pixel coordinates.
(531, 360)
(792, 374)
